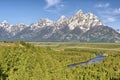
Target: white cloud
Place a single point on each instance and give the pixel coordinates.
(107, 13)
(111, 19)
(102, 5)
(54, 6)
(116, 11)
(110, 11)
(51, 3)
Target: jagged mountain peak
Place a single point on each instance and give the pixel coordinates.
(4, 21)
(84, 21)
(46, 19)
(63, 19)
(63, 16)
(80, 27)
(91, 16)
(79, 13)
(45, 22)
(6, 26)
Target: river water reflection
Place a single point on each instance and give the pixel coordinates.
(93, 60)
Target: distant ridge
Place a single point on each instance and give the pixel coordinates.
(78, 28)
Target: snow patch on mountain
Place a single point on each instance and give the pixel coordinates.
(118, 30)
(84, 21)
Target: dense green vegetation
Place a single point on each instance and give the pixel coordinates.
(24, 61)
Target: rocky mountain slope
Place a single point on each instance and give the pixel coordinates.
(118, 30)
(78, 28)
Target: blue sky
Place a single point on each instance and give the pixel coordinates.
(28, 11)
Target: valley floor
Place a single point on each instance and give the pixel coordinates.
(49, 60)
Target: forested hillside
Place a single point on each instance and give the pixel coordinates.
(24, 61)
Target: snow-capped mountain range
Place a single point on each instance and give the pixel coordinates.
(80, 27)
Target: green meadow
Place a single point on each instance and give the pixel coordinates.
(49, 60)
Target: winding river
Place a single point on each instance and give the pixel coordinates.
(93, 60)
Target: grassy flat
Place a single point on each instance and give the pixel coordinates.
(49, 61)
